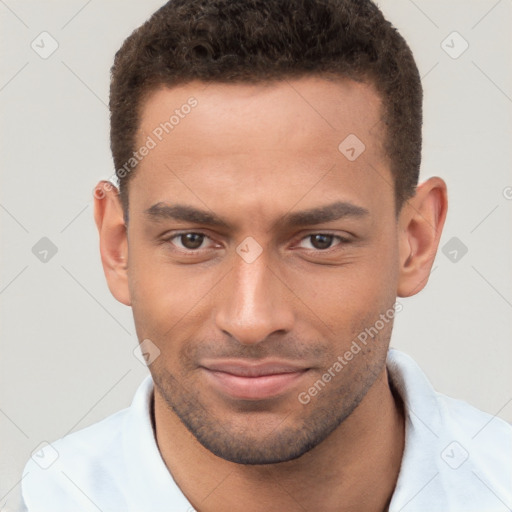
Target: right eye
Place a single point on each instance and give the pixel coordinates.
(188, 241)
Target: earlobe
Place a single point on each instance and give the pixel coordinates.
(108, 215)
(420, 227)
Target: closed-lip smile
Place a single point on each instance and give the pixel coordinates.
(245, 380)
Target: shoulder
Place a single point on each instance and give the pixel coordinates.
(474, 420)
(460, 453)
(88, 444)
(475, 454)
(90, 468)
(487, 437)
(69, 466)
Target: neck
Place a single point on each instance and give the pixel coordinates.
(354, 469)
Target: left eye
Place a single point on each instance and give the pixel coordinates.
(189, 241)
(320, 241)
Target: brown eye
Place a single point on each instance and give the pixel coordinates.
(191, 240)
(321, 241)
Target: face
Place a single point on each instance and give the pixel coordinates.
(258, 252)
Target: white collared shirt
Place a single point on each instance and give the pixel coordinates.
(456, 458)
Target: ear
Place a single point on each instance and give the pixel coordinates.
(421, 223)
(108, 215)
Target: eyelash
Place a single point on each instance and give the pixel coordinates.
(341, 241)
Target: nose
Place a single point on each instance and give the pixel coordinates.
(254, 302)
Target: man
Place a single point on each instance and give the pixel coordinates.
(268, 216)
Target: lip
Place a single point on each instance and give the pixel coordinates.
(253, 381)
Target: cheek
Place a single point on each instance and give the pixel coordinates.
(154, 298)
(347, 299)
(165, 295)
(349, 291)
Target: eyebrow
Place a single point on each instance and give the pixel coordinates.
(328, 213)
(164, 211)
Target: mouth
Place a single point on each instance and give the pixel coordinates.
(257, 381)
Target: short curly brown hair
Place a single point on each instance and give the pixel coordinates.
(266, 40)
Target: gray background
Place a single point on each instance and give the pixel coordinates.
(67, 346)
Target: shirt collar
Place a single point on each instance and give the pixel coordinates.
(152, 486)
(423, 425)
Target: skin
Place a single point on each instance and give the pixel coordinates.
(253, 155)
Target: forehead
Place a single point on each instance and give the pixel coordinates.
(321, 106)
(312, 137)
